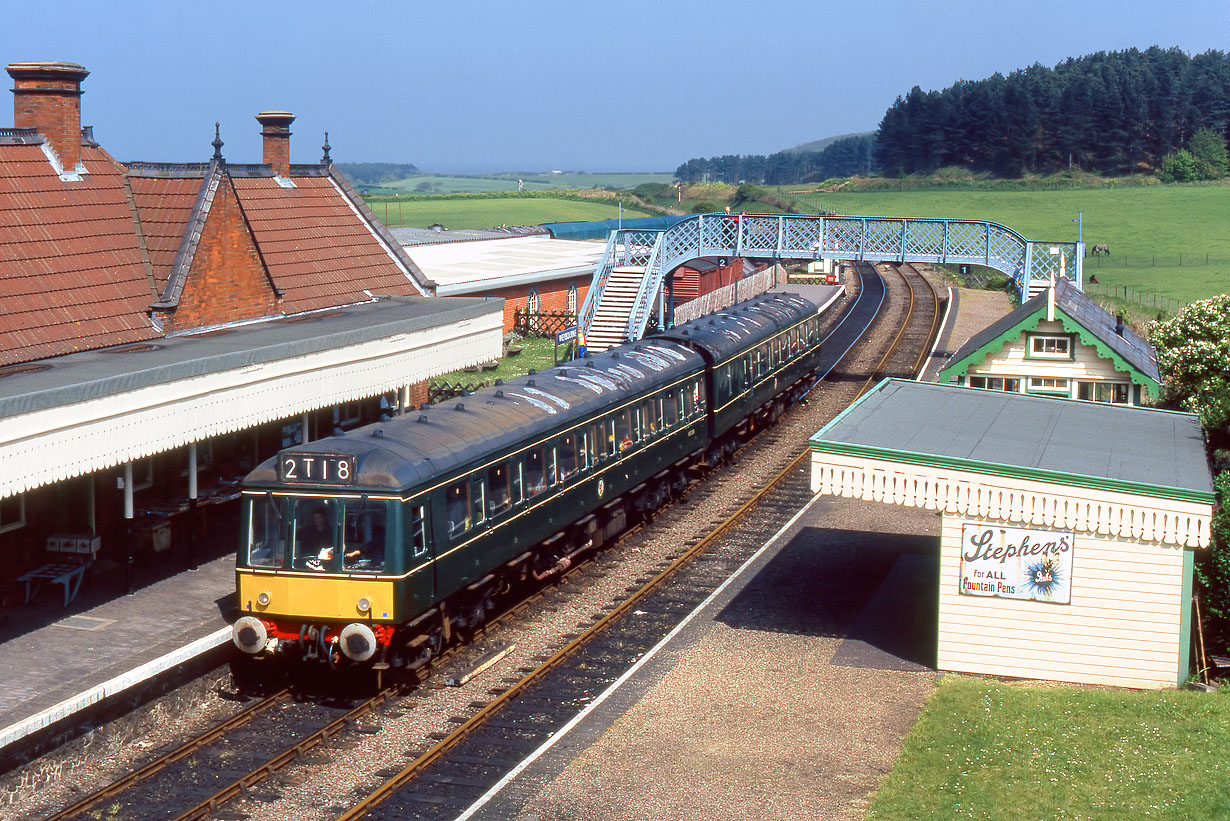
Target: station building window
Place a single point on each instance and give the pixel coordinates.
(571, 304)
(996, 383)
(12, 513)
(1045, 346)
(1114, 393)
(1049, 385)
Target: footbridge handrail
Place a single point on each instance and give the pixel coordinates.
(872, 239)
(624, 247)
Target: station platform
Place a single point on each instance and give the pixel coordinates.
(787, 695)
(93, 652)
(63, 659)
(107, 643)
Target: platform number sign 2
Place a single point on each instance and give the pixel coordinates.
(316, 468)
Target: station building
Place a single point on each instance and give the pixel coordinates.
(1065, 553)
(166, 326)
(1059, 343)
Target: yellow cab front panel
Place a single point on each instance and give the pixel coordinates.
(313, 599)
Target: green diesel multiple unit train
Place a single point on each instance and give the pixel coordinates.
(376, 546)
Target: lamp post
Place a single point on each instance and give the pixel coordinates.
(1080, 229)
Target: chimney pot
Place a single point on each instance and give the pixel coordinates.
(275, 134)
(47, 96)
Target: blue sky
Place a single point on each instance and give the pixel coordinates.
(464, 86)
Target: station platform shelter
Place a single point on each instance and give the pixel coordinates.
(1069, 529)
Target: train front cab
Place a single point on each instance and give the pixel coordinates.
(312, 567)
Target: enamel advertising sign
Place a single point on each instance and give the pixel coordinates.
(1013, 563)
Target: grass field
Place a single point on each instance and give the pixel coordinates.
(1159, 236)
(489, 213)
(442, 184)
(986, 749)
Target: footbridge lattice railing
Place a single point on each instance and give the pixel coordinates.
(798, 238)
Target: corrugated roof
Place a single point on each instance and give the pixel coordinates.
(71, 271)
(1038, 437)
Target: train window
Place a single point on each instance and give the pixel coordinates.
(478, 495)
(679, 406)
(266, 544)
(566, 453)
(535, 472)
(596, 443)
(698, 396)
(670, 409)
(418, 531)
(623, 431)
(363, 529)
(457, 508)
(649, 416)
(314, 534)
(518, 487)
(499, 498)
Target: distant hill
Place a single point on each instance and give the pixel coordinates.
(820, 145)
(374, 173)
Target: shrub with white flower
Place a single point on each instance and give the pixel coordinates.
(1193, 352)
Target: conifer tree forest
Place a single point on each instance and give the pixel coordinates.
(1112, 113)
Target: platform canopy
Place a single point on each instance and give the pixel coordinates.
(1131, 473)
(75, 414)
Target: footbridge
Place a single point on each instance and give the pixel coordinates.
(627, 291)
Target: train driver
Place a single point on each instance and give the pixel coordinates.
(316, 538)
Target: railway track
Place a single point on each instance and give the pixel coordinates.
(467, 767)
(462, 764)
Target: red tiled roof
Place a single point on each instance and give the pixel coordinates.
(164, 206)
(318, 251)
(71, 272)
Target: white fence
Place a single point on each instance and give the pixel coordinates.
(728, 295)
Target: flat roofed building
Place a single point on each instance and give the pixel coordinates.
(543, 281)
(1065, 553)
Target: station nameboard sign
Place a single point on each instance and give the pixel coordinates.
(316, 468)
(567, 335)
(1015, 563)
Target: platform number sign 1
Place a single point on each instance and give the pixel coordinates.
(316, 468)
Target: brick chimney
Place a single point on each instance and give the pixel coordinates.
(275, 131)
(47, 96)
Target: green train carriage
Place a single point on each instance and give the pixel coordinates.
(378, 544)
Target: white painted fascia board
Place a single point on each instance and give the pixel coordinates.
(1108, 513)
(482, 287)
(51, 445)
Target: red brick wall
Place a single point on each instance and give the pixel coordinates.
(226, 282)
(54, 108)
(552, 296)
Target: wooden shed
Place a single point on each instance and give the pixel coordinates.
(1068, 528)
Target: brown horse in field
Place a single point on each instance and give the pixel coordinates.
(1101, 249)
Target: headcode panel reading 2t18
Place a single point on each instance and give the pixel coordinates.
(317, 468)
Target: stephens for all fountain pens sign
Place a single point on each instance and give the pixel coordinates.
(1014, 563)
